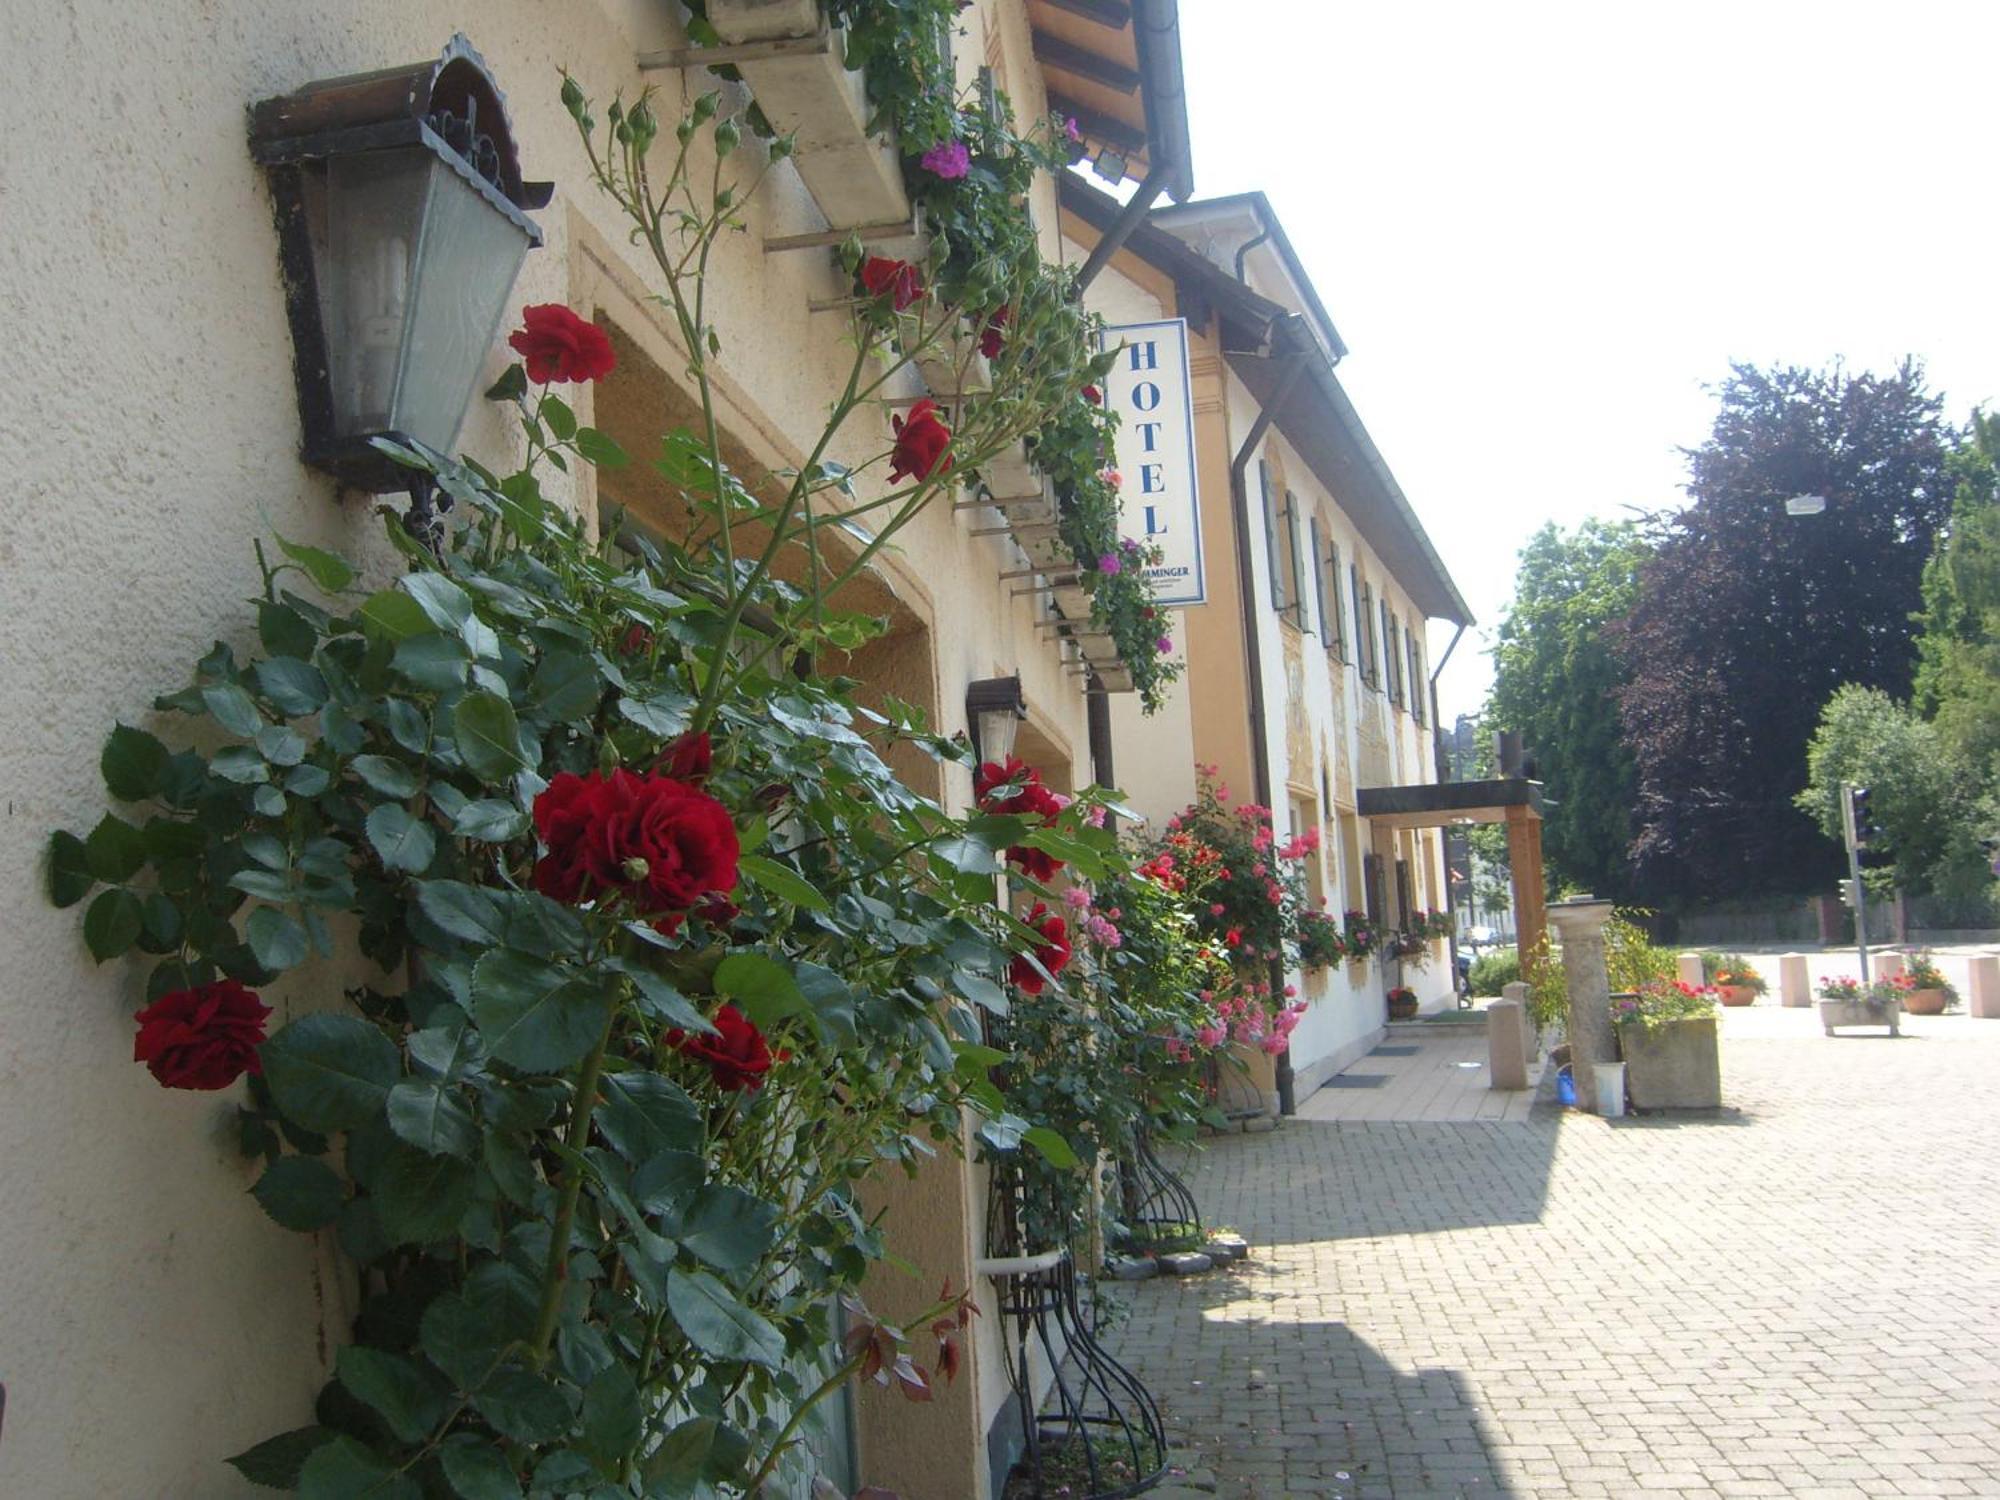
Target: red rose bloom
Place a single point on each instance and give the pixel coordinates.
(994, 336)
(558, 345)
(661, 843)
(994, 773)
(637, 638)
(1093, 395)
(923, 444)
(895, 279)
(1036, 864)
(203, 1038)
(1053, 954)
(687, 758)
(738, 1057)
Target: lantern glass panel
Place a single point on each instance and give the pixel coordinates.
(421, 269)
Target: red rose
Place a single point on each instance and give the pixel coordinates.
(660, 843)
(687, 758)
(923, 444)
(1053, 954)
(738, 1057)
(637, 638)
(558, 345)
(993, 338)
(1036, 864)
(994, 773)
(895, 279)
(203, 1038)
(1093, 395)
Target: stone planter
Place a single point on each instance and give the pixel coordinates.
(806, 90)
(1404, 1008)
(1926, 1002)
(1675, 1065)
(1736, 994)
(1834, 1013)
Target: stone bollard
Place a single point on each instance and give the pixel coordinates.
(1579, 922)
(1531, 1034)
(1794, 983)
(1687, 969)
(1982, 989)
(1887, 966)
(1506, 1045)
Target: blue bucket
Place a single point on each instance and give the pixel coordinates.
(1565, 1088)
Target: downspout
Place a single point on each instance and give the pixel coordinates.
(1437, 721)
(1243, 254)
(1444, 774)
(1253, 654)
(1121, 229)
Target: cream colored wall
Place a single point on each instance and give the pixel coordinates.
(152, 1320)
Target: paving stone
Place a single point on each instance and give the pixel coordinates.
(1133, 1268)
(1184, 1262)
(1794, 1297)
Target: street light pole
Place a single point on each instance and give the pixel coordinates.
(1848, 827)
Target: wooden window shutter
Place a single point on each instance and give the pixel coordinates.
(1319, 583)
(1271, 536)
(1294, 573)
(1336, 607)
(1371, 880)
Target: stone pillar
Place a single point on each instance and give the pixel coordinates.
(1531, 1034)
(1794, 983)
(1982, 989)
(1886, 966)
(1687, 969)
(1579, 923)
(1506, 1045)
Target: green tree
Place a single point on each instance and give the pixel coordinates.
(1556, 681)
(1923, 793)
(1958, 653)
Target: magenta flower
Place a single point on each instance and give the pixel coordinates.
(1077, 897)
(1164, 644)
(1109, 563)
(1071, 130)
(948, 159)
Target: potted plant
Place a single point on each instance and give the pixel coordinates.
(1845, 1001)
(1735, 981)
(1402, 1003)
(1667, 1036)
(1320, 942)
(1929, 992)
(1361, 936)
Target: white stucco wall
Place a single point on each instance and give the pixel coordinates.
(152, 1320)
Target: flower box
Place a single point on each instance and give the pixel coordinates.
(1674, 1064)
(1861, 1012)
(1926, 1002)
(1074, 601)
(952, 366)
(811, 94)
(1736, 994)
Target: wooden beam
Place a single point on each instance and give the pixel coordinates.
(1070, 58)
(1113, 13)
(1524, 860)
(1098, 126)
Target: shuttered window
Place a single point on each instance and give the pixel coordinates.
(1333, 609)
(1319, 588)
(1390, 677)
(1279, 599)
(1417, 684)
(1294, 559)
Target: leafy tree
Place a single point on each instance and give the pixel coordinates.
(1958, 654)
(1923, 794)
(1556, 681)
(1749, 619)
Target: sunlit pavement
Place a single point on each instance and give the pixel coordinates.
(1799, 1296)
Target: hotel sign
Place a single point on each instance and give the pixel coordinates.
(1149, 389)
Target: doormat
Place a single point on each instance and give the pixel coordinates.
(1388, 1051)
(1357, 1081)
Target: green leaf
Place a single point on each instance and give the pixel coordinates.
(344, 1470)
(277, 940)
(406, 1396)
(477, 1469)
(403, 842)
(393, 616)
(980, 990)
(566, 686)
(719, 1325)
(133, 763)
(232, 708)
(241, 764)
(294, 688)
(449, 1052)
(489, 821)
(783, 882)
(301, 1192)
(281, 745)
(70, 879)
(537, 1016)
(523, 1406)
(613, 1418)
(389, 777)
(555, 411)
(488, 736)
(436, 663)
(115, 849)
(1072, 852)
(464, 911)
(275, 1462)
(461, 1337)
(643, 1114)
(727, 1227)
(1055, 1150)
(598, 449)
(967, 856)
(762, 988)
(661, 1000)
(268, 801)
(831, 997)
(111, 924)
(330, 1072)
(284, 631)
(330, 572)
(664, 715)
(511, 386)
(433, 1116)
(443, 602)
(420, 1197)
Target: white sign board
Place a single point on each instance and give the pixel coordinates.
(1149, 389)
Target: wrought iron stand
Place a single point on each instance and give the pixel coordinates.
(1157, 1206)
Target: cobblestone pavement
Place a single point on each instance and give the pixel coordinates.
(1798, 1297)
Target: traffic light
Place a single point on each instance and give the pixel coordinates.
(1866, 830)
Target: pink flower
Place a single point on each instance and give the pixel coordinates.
(1071, 130)
(1211, 1036)
(1095, 817)
(1109, 563)
(1076, 896)
(948, 159)
(1215, 908)
(1164, 644)
(1112, 477)
(1273, 1044)
(1291, 990)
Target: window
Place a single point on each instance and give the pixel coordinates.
(1417, 684)
(1279, 600)
(1295, 573)
(1391, 677)
(1364, 619)
(1319, 588)
(1332, 610)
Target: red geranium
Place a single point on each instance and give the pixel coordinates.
(203, 1038)
(923, 444)
(994, 336)
(1052, 955)
(737, 1055)
(661, 843)
(896, 279)
(558, 345)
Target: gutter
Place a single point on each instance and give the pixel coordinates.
(1129, 219)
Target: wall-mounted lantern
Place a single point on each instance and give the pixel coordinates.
(994, 709)
(401, 227)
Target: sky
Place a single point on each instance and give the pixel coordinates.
(1543, 229)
